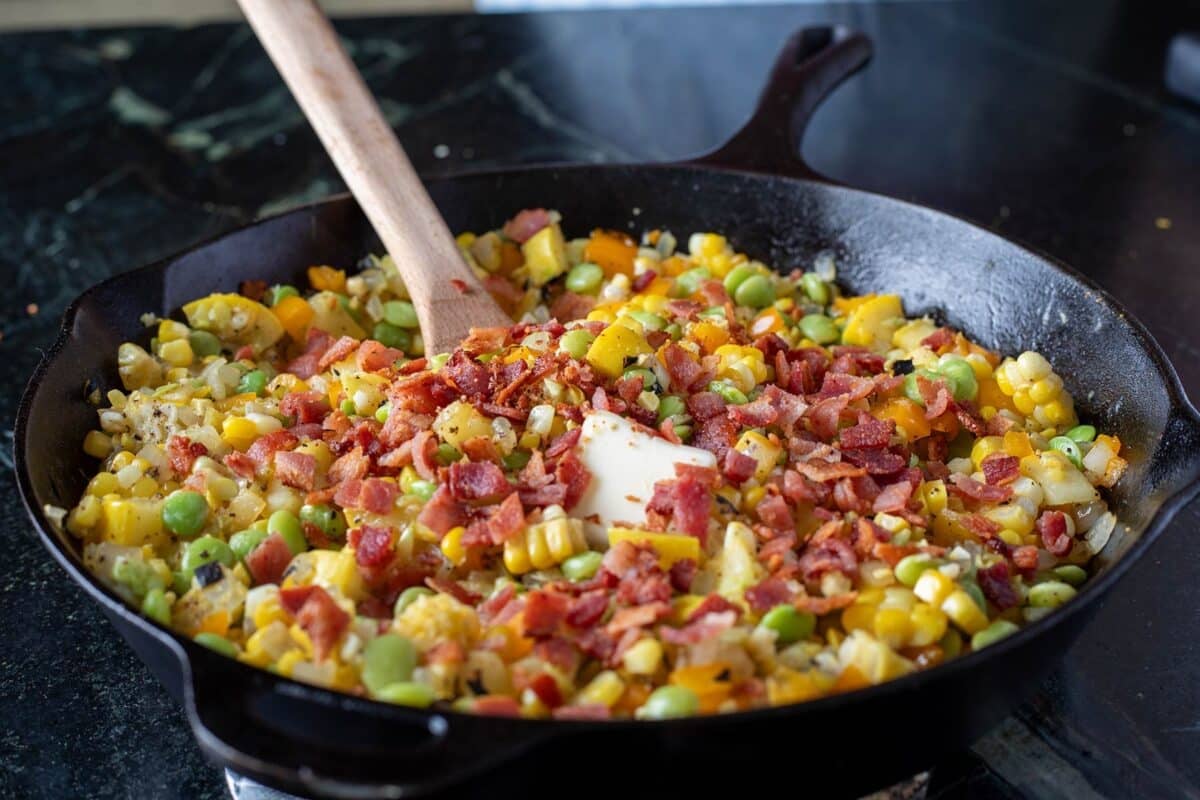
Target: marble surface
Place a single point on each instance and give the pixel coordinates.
(119, 147)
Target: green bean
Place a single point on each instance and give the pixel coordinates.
(253, 382)
(649, 379)
(1050, 594)
(585, 278)
(408, 693)
(575, 343)
(737, 276)
(756, 292)
(730, 393)
(390, 335)
(206, 550)
(582, 565)
(816, 289)
(280, 291)
(1070, 573)
(408, 597)
(909, 568)
(216, 642)
(1082, 433)
(184, 513)
(819, 328)
(960, 373)
(387, 659)
(401, 313)
(649, 321)
(993, 633)
(670, 405)
(446, 454)
(423, 489)
(668, 702)
(326, 517)
(204, 343)
(1069, 448)
(156, 607)
(243, 543)
(688, 283)
(790, 625)
(287, 525)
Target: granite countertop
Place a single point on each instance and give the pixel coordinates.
(118, 147)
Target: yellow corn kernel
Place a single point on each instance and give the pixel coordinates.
(238, 432)
(327, 279)
(893, 627)
(169, 330)
(286, 382)
(644, 657)
(144, 486)
(605, 689)
(85, 515)
(1002, 380)
(615, 343)
(1023, 402)
(786, 686)
(764, 452)
(268, 611)
(120, 461)
(706, 245)
(1046, 389)
(104, 483)
(753, 497)
(980, 364)
(1032, 366)
(671, 547)
(1011, 537)
(705, 680)
(133, 522)
(452, 546)
(934, 587)
(602, 314)
(177, 353)
(465, 239)
(683, 606)
(543, 545)
(963, 611)
(934, 494)
(288, 661)
(859, 616)
(97, 444)
(928, 625)
(984, 447)
(1016, 443)
(1060, 412)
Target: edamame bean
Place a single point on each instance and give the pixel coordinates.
(737, 276)
(1050, 594)
(206, 550)
(585, 278)
(204, 343)
(966, 386)
(993, 633)
(1069, 448)
(649, 321)
(756, 292)
(253, 382)
(1070, 573)
(670, 405)
(139, 576)
(582, 566)
(400, 313)
(216, 642)
(326, 517)
(423, 489)
(575, 343)
(348, 408)
(408, 596)
(184, 513)
(383, 412)
(280, 291)
(243, 543)
(909, 568)
(819, 328)
(816, 289)
(156, 607)
(675, 331)
(688, 283)
(446, 454)
(913, 391)
(648, 378)
(790, 624)
(390, 335)
(1082, 433)
(516, 460)
(730, 393)
(409, 693)
(387, 659)
(713, 312)
(287, 525)
(668, 702)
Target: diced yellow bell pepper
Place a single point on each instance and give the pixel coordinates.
(613, 252)
(705, 681)
(459, 422)
(177, 353)
(908, 336)
(131, 522)
(294, 314)
(670, 547)
(545, 255)
(709, 335)
(169, 330)
(873, 322)
(615, 343)
(786, 686)
(964, 612)
(933, 587)
(934, 494)
(764, 452)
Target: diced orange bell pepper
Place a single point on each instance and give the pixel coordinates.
(704, 680)
(850, 679)
(294, 314)
(906, 414)
(769, 320)
(990, 395)
(327, 279)
(709, 336)
(673, 266)
(216, 622)
(613, 251)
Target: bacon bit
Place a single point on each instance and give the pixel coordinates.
(496, 706)
(820, 471)
(182, 452)
(423, 446)
(936, 396)
(715, 435)
(244, 353)
(738, 467)
(823, 416)
(446, 653)
(683, 309)
(637, 617)
(893, 498)
(767, 594)
(682, 573)
(338, 351)
(563, 443)
(644, 280)
(757, 414)
(821, 606)
(349, 466)
(837, 384)
(702, 629)
(373, 356)
(585, 712)
(939, 339)
(1052, 526)
(373, 545)
(423, 393)
(999, 469)
(876, 462)
(485, 340)
(507, 520)
(306, 365)
(998, 425)
(478, 481)
(997, 585)
(827, 555)
(869, 433)
(304, 407)
(268, 561)
(454, 589)
(264, 448)
(492, 607)
(969, 420)
(442, 512)
(525, 224)
(574, 477)
(706, 405)
(713, 604)
(714, 292)
(372, 494)
(544, 611)
(979, 524)
(892, 553)
(685, 373)
(322, 619)
(241, 464)
(298, 470)
(558, 652)
(773, 511)
(466, 374)
(1025, 559)
(965, 486)
(546, 689)
(588, 609)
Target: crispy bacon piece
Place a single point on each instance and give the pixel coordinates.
(1056, 537)
(563, 442)
(757, 414)
(823, 416)
(997, 585)
(828, 555)
(712, 604)
(868, 434)
(637, 617)
(349, 466)
(423, 393)
(306, 365)
(241, 464)
(182, 452)
(298, 470)
(876, 462)
(525, 224)
(716, 435)
(467, 375)
(966, 486)
(738, 467)
(573, 476)
(969, 419)
(485, 340)
(706, 405)
(478, 481)
(374, 357)
(1025, 559)
(893, 498)
(824, 605)
(321, 618)
(266, 446)
(571, 306)
(706, 627)
(546, 689)
(507, 520)
(443, 512)
(819, 470)
(939, 339)
(936, 396)
(682, 573)
(839, 384)
(557, 651)
(372, 494)
(490, 609)
(452, 588)
(423, 446)
(373, 545)
(767, 594)
(268, 561)
(998, 425)
(337, 351)
(773, 511)
(999, 469)
(586, 610)
(544, 611)
(684, 371)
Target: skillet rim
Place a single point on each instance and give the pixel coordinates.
(186, 650)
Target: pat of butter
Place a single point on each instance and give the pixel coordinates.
(625, 464)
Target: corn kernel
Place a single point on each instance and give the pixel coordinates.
(644, 657)
(104, 483)
(765, 454)
(892, 626)
(859, 616)
(120, 461)
(1002, 379)
(1060, 413)
(97, 444)
(268, 611)
(984, 447)
(1032, 366)
(452, 546)
(239, 432)
(1011, 537)
(981, 366)
(934, 494)
(671, 547)
(928, 625)
(605, 689)
(1046, 389)
(169, 330)
(934, 587)
(963, 611)
(177, 353)
(143, 487)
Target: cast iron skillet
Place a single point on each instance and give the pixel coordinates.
(775, 207)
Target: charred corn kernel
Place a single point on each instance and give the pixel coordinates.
(934, 587)
(104, 483)
(984, 447)
(97, 444)
(327, 279)
(709, 335)
(615, 343)
(934, 495)
(1016, 443)
(239, 432)
(752, 498)
(963, 611)
(452, 546)
(177, 353)
(671, 547)
(169, 330)
(133, 522)
(764, 452)
(605, 689)
(644, 657)
(543, 545)
(295, 315)
(144, 486)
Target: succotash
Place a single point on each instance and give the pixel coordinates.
(850, 495)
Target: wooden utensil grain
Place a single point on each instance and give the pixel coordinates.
(304, 47)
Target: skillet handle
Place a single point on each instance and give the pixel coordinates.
(327, 744)
(1179, 453)
(812, 63)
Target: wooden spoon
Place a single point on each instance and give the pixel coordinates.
(448, 298)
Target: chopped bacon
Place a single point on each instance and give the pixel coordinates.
(583, 712)
(525, 224)
(876, 462)
(442, 512)
(893, 553)
(767, 594)
(837, 384)
(308, 430)
(715, 435)
(467, 375)
(869, 433)
(893, 498)
(824, 605)
(264, 448)
(966, 486)
(574, 477)
(683, 309)
(637, 617)
(714, 292)
(182, 452)
(820, 470)
(828, 555)
(497, 705)
(548, 495)
(481, 448)
(269, 559)
(706, 405)
(936, 396)
(322, 619)
(702, 629)
(712, 604)
(306, 365)
(571, 306)
(373, 545)
(480, 481)
(241, 464)
(789, 407)
(757, 414)
(544, 611)
(1025, 559)
(339, 350)
(485, 340)
(491, 608)
(979, 524)
(507, 520)
(773, 511)
(855, 360)
(372, 494)
(998, 425)
(685, 373)
(682, 573)
(423, 446)
(824, 415)
(969, 420)
(801, 489)
(738, 467)
(586, 610)
(939, 339)
(453, 588)
(1056, 537)
(373, 356)
(563, 443)
(547, 691)
(997, 585)
(423, 393)
(298, 470)
(533, 474)
(999, 469)
(349, 466)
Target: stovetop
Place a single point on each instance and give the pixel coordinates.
(1048, 124)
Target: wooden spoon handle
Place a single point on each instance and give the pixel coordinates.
(331, 92)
